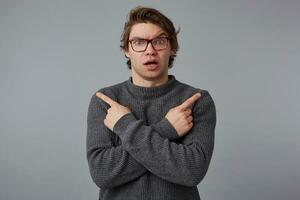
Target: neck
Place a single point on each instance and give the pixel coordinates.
(149, 83)
(148, 93)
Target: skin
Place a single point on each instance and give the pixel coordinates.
(140, 75)
(180, 116)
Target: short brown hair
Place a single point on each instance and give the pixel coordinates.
(151, 15)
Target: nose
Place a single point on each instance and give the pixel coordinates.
(150, 49)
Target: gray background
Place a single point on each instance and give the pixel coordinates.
(55, 54)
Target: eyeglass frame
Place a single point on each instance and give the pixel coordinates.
(149, 41)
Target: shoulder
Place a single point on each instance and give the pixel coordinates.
(188, 90)
(204, 104)
(112, 91)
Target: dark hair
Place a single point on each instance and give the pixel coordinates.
(151, 15)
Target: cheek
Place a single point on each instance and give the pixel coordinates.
(166, 56)
(167, 53)
(135, 58)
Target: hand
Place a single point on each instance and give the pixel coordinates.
(180, 116)
(114, 113)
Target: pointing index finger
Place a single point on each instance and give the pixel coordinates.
(105, 98)
(187, 103)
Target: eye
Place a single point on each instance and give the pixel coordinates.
(159, 41)
(139, 42)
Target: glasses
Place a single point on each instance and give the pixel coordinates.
(140, 45)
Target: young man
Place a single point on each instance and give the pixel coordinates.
(150, 137)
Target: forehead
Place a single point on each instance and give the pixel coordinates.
(146, 30)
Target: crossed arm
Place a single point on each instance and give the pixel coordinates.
(149, 148)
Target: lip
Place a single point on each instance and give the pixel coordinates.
(152, 67)
(150, 60)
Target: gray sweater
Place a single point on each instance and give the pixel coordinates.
(143, 158)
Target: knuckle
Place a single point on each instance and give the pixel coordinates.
(186, 122)
(187, 113)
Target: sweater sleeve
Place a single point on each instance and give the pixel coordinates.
(109, 165)
(185, 163)
(165, 129)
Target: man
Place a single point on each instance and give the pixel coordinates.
(150, 137)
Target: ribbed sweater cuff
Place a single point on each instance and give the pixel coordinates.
(166, 129)
(123, 123)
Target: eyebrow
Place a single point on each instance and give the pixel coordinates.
(159, 35)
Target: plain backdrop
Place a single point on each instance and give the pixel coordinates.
(55, 54)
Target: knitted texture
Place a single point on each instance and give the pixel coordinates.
(143, 158)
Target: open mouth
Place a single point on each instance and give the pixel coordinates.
(151, 65)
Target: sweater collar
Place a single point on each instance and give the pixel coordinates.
(145, 93)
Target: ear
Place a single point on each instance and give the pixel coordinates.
(126, 54)
(173, 52)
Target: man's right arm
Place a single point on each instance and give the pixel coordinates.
(110, 166)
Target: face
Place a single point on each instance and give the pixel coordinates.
(150, 65)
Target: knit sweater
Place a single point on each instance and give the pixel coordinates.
(144, 158)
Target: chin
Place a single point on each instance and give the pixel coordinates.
(153, 75)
